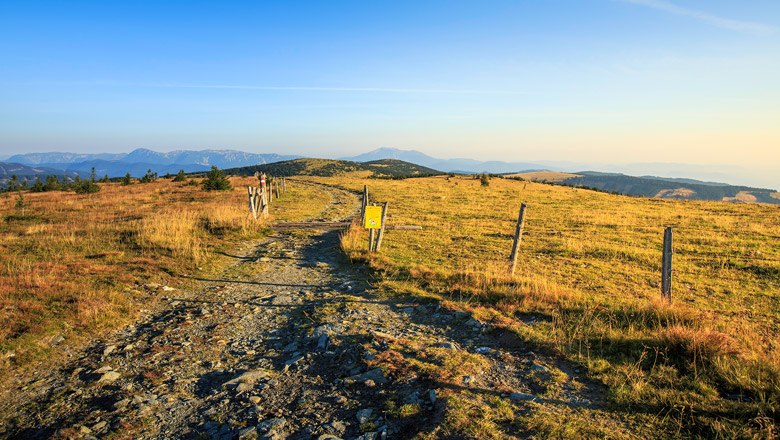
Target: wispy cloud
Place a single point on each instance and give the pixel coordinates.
(748, 27)
(391, 90)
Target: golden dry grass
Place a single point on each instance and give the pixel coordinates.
(75, 265)
(544, 176)
(589, 265)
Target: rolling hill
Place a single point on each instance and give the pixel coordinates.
(656, 187)
(27, 173)
(387, 168)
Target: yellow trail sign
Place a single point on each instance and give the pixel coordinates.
(373, 218)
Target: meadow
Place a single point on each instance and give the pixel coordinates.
(588, 287)
(73, 266)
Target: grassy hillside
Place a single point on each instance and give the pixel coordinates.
(543, 176)
(657, 187)
(74, 265)
(587, 287)
(386, 168)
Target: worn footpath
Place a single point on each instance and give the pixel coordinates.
(291, 341)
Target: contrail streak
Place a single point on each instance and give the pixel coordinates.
(713, 20)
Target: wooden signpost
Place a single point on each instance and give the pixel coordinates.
(373, 217)
(372, 220)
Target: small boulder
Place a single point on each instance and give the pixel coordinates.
(364, 415)
(109, 377)
(522, 397)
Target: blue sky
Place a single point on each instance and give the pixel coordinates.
(613, 81)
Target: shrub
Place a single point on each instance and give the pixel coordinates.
(127, 180)
(86, 186)
(13, 184)
(180, 177)
(37, 186)
(484, 180)
(216, 180)
(52, 184)
(149, 177)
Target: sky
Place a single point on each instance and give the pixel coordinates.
(600, 81)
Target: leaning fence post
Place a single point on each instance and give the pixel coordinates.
(518, 237)
(381, 233)
(258, 200)
(666, 266)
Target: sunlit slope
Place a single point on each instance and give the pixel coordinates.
(72, 265)
(588, 284)
(385, 168)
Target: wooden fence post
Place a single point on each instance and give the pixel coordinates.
(284, 184)
(258, 200)
(518, 237)
(381, 228)
(252, 207)
(264, 201)
(371, 235)
(276, 186)
(365, 202)
(666, 266)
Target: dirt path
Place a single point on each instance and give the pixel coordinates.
(285, 344)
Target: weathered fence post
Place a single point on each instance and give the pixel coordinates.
(284, 185)
(518, 237)
(276, 186)
(365, 201)
(381, 228)
(666, 266)
(252, 207)
(258, 200)
(264, 201)
(371, 236)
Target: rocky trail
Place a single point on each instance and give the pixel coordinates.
(291, 341)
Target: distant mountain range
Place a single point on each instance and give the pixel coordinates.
(390, 162)
(136, 162)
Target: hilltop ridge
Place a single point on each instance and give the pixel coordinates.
(386, 168)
